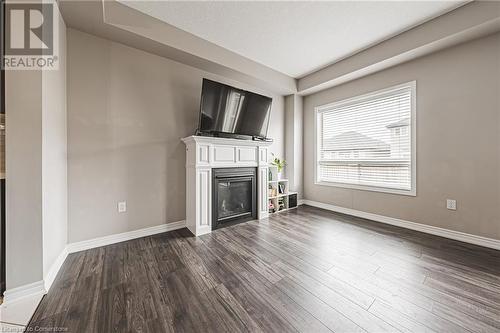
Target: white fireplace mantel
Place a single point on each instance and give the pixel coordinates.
(205, 153)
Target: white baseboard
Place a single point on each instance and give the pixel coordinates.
(452, 234)
(54, 269)
(36, 288)
(125, 236)
(41, 287)
(27, 290)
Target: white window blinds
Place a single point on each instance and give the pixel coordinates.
(367, 141)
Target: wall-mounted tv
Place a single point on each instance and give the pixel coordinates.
(233, 112)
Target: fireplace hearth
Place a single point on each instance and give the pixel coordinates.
(234, 196)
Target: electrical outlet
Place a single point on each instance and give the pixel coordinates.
(122, 207)
(451, 204)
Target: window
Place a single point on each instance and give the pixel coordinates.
(368, 142)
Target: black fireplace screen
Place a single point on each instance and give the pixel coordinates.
(234, 196)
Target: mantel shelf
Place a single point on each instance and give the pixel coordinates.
(225, 141)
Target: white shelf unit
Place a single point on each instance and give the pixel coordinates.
(278, 192)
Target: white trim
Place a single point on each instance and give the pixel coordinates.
(54, 269)
(369, 95)
(224, 141)
(42, 286)
(122, 237)
(447, 233)
(413, 137)
(367, 188)
(27, 290)
(413, 115)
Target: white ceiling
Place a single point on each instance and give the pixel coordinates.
(295, 38)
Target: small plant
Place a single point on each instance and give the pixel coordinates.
(279, 163)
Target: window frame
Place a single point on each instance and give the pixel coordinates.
(413, 162)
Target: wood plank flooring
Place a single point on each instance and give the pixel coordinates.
(306, 270)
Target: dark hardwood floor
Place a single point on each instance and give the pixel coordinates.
(306, 270)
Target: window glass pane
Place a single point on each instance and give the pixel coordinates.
(367, 141)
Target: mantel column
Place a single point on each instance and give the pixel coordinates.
(262, 178)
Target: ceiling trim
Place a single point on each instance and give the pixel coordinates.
(117, 22)
(474, 20)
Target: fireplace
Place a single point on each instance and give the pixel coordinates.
(208, 158)
(234, 196)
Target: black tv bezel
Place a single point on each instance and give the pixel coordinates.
(228, 134)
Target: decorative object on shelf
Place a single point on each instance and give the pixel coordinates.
(281, 204)
(281, 188)
(279, 163)
(272, 209)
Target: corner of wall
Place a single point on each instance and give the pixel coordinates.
(294, 142)
(54, 158)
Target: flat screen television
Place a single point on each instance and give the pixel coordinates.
(233, 112)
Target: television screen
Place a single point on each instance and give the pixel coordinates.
(225, 109)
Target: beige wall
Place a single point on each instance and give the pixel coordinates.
(54, 157)
(36, 208)
(294, 143)
(458, 135)
(127, 111)
(23, 104)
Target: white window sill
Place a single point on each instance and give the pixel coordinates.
(389, 190)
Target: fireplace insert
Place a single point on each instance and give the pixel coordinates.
(234, 196)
